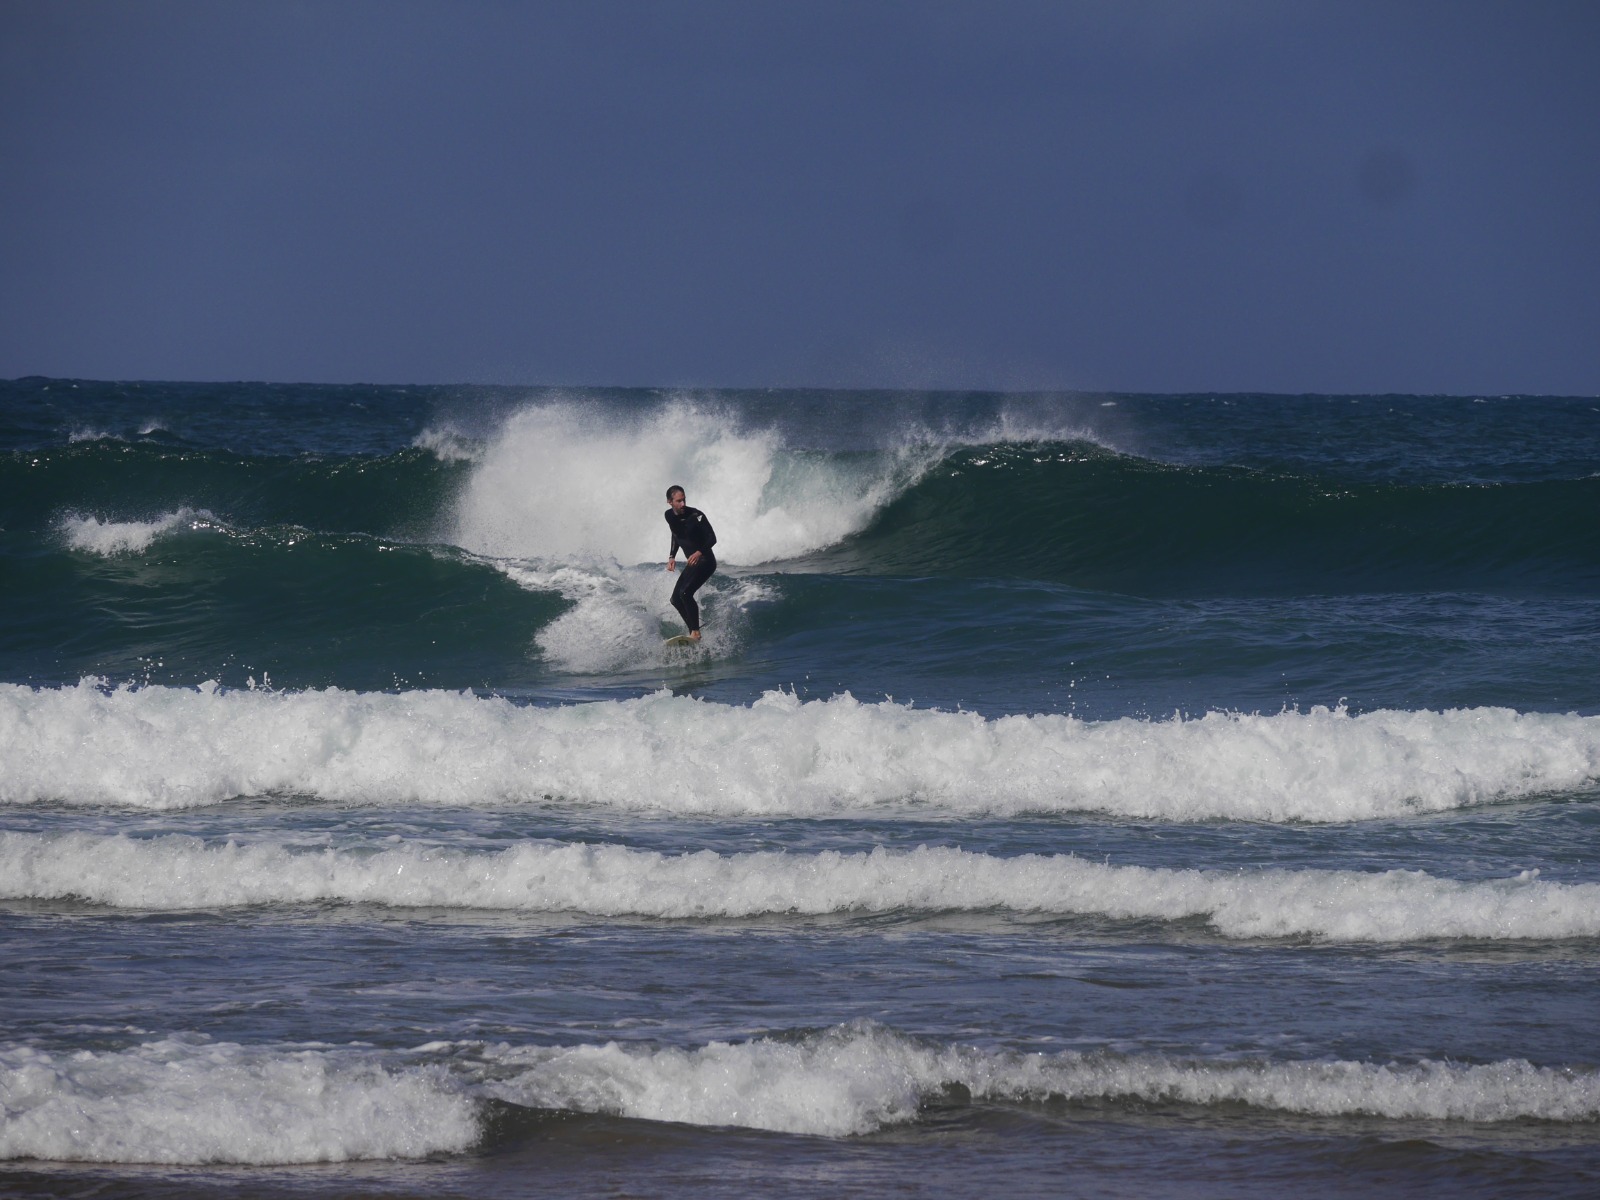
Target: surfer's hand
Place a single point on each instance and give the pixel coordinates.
(692, 559)
(672, 564)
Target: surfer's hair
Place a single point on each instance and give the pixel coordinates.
(678, 490)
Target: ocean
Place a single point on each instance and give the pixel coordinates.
(1073, 795)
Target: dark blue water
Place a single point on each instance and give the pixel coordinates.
(1190, 795)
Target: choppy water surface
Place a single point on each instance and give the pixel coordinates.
(1073, 795)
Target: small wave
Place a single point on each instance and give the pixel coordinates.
(108, 538)
(188, 1100)
(169, 747)
(179, 872)
(858, 1078)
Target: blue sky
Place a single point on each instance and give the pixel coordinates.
(1134, 196)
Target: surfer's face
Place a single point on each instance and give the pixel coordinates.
(677, 501)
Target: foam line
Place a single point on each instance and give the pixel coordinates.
(179, 872)
(167, 747)
(185, 1099)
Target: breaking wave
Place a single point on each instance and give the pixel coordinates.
(857, 1078)
(563, 482)
(180, 872)
(189, 1100)
(107, 538)
(172, 747)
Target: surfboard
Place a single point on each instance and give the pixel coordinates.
(683, 639)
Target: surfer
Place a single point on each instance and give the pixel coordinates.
(693, 532)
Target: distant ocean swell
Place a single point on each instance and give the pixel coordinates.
(180, 872)
(172, 747)
(189, 1100)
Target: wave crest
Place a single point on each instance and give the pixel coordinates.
(108, 538)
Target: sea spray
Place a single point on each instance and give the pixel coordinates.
(532, 491)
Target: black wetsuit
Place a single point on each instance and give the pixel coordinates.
(693, 532)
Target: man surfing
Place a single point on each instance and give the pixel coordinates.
(693, 532)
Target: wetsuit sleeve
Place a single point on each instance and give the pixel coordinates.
(711, 534)
(673, 553)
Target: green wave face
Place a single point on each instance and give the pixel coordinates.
(1093, 519)
(283, 605)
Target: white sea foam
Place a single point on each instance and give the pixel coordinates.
(860, 1077)
(166, 747)
(619, 615)
(178, 872)
(562, 482)
(193, 1101)
(108, 538)
(189, 1100)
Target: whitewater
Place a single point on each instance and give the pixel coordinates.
(159, 747)
(178, 872)
(846, 1081)
(1068, 786)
